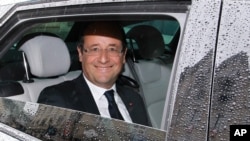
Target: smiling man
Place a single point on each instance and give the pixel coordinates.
(102, 53)
(102, 50)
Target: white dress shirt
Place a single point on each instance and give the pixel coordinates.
(102, 102)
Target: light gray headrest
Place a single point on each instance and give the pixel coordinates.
(47, 56)
(148, 39)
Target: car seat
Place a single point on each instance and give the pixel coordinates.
(152, 73)
(47, 59)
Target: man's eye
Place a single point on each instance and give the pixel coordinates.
(95, 49)
(112, 49)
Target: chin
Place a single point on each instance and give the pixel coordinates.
(104, 81)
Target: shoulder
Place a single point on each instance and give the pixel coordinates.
(62, 87)
(58, 91)
(65, 86)
(55, 92)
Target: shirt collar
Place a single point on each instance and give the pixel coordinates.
(97, 91)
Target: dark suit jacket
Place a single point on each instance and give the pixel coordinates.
(75, 94)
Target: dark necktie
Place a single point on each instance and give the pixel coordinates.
(113, 109)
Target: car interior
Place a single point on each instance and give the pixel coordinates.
(46, 55)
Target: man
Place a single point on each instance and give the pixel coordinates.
(102, 51)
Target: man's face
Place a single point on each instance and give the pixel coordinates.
(103, 67)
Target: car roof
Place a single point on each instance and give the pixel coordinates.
(15, 5)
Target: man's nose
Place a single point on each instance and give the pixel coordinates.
(103, 56)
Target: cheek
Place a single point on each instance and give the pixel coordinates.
(86, 60)
(120, 63)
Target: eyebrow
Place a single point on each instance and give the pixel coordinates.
(112, 45)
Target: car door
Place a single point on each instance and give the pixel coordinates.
(188, 100)
(212, 95)
(230, 99)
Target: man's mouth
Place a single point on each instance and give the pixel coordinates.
(104, 68)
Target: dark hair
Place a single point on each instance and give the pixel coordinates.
(104, 28)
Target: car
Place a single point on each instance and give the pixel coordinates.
(187, 59)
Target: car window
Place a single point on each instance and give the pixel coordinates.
(53, 123)
(151, 70)
(12, 64)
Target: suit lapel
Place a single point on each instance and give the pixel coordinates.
(86, 100)
(134, 105)
(128, 101)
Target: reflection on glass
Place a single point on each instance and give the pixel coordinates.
(53, 123)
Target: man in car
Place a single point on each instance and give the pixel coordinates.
(102, 50)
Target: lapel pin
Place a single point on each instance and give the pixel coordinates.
(130, 104)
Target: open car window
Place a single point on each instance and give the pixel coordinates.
(16, 76)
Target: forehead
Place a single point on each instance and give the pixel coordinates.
(98, 39)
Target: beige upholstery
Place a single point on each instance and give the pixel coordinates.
(154, 78)
(47, 56)
(49, 61)
(151, 71)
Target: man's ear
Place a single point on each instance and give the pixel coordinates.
(124, 56)
(79, 50)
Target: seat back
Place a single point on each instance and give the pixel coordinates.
(151, 71)
(48, 62)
